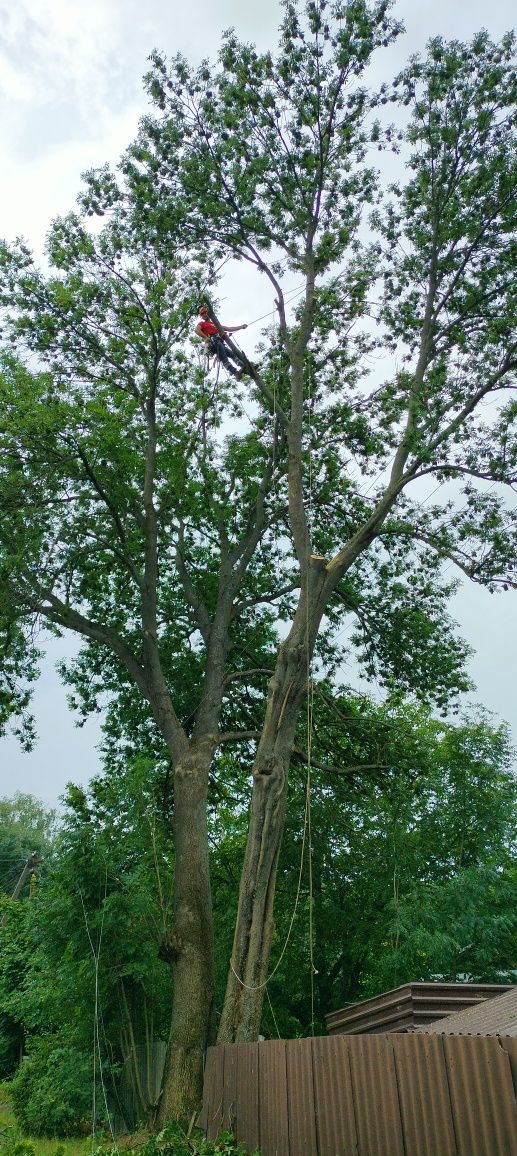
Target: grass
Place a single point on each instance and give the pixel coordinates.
(58, 1147)
(75, 1147)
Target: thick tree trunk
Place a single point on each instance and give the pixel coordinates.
(191, 946)
(240, 1020)
(242, 1010)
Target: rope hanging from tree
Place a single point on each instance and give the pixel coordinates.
(307, 826)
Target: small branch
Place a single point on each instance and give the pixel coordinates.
(238, 737)
(62, 615)
(264, 598)
(99, 488)
(201, 614)
(470, 406)
(350, 770)
(245, 674)
(446, 468)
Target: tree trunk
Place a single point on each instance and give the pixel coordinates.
(191, 946)
(242, 1010)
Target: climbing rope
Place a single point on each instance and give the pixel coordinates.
(260, 986)
(97, 1058)
(291, 294)
(310, 713)
(307, 828)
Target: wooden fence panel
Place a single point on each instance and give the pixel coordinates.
(214, 1074)
(385, 1095)
(334, 1101)
(481, 1086)
(229, 1117)
(211, 1061)
(300, 1083)
(274, 1127)
(247, 1128)
(376, 1101)
(425, 1102)
(509, 1045)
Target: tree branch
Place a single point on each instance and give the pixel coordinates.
(201, 614)
(99, 488)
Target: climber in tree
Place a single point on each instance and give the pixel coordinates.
(214, 338)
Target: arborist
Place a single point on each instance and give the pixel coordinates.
(214, 337)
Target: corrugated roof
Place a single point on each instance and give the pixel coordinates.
(409, 1006)
(494, 1017)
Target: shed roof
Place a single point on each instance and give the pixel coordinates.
(409, 1006)
(493, 1017)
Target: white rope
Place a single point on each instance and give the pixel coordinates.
(272, 1013)
(291, 294)
(96, 1039)
(310, 709)
(306, 834)
(260, 986)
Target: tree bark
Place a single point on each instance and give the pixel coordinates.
(242, 1010)
(240, 1020)
(190, 950)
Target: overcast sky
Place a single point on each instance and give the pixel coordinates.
(70, 99)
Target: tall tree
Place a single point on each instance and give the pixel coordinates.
(270, 155)
(128, 518)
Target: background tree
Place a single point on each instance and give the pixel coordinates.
(412, 837)
(26, 827)
(412, 877)
(169, 548)
(81, 961)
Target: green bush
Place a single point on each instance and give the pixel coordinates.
(52, 1092)
(173, 1141)
(12, 1144)
(5, 1093)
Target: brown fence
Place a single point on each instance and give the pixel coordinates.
(380, 1095)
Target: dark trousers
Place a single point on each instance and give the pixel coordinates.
(218, 347)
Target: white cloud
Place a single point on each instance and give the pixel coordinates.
(34, 190)
(57, 45)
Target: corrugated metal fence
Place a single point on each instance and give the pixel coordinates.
(380, 1095)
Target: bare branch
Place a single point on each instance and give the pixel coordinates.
(354, 768)
(117, 521)
(238, 737)
(201, 614)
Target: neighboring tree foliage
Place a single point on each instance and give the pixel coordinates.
(26, 833)
(51, 1094)
(206, 565)
(80, 960)
(26, 826)
(412, 862)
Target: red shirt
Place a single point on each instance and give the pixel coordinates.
(207, 328)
